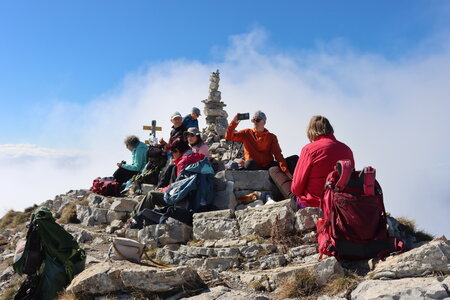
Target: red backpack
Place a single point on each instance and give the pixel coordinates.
(354, 219)
(106, 186)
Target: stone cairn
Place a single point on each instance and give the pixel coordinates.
(216, 125)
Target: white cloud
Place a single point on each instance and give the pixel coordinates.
(391, 113)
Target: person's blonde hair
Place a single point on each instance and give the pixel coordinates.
(318, 125)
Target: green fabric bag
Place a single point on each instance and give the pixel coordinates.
(63, 256)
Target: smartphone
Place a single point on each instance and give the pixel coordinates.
(245, 116)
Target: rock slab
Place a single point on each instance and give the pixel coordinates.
(115, 276)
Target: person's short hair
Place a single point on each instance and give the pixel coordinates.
(318, 125)
(131, 140)
(179, 145)
(259, 115)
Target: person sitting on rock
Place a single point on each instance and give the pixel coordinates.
(260, 146)
(177, 130)
(191, 119)
(195, 141)
(317, 160)
(138, 160)
(182, 156)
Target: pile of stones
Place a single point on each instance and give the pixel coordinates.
(216, 125)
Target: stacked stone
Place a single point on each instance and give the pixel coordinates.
(216, 124)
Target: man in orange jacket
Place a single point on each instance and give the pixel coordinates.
(260, 146)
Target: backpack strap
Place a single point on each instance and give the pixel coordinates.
(344, 168)
(369, 181)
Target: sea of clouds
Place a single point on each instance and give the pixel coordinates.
(393, 113)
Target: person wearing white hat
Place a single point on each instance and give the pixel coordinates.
(177, 129)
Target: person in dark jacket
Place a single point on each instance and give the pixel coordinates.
(316, 161)
(191, 119)
(138, 160)
(177, 130)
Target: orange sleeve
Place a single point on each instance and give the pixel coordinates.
(232, 135)
(276, 151)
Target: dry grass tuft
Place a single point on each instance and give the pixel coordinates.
(409, 226)
(12, 219)
(304, 285)
(258, 285)
(284, 234)
(347, 283)
(11, 291)
(69, 214)
(198, 243)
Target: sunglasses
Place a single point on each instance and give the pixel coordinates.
(256, 120)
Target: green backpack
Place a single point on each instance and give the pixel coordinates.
(48, 243)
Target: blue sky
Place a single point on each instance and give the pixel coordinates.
(76, 77)
(76, 51)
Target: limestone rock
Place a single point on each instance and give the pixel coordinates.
(306, 218)
(122, 204)
(112, 216)
(260, 220)
(215, 225)
(302, 251)
(110, 277)
(407, 288)
(249, 180)
(430, 258)
(225, 199)
(220, 263)
(94, 199)
(172, 232)
(226, 293)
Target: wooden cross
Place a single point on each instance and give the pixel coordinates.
(153, 129)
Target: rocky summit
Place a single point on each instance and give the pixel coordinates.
(264, 249)
(261, 252)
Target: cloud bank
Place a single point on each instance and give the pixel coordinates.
(393, 114)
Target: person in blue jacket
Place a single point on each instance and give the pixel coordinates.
(191, 119)
(138, 160)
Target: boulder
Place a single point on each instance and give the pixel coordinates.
(260, 220)
(249, 180)
(112, 216)
(215, 225)
(84, 215)
(226, 293)
(325, 270)
(406, 288)
(114, 276)
(225, 199)
(173, 232)
(99, 215)
(306, 218)
(95, 199)
(430, 258)
(123, 204)
(220, 263)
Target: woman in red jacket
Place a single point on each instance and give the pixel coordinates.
(317, 160)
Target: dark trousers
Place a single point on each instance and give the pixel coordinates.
(151, 200)
(251, 165)
(281, 180)
(122, 175)
(168, 176)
